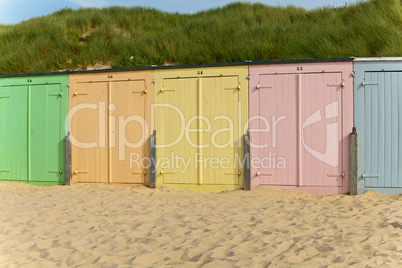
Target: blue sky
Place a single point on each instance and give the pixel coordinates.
(15, 11)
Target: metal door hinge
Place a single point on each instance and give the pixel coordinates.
(80, 172)
(59, 94)
(142, 91)
(364, 176)
(340, 175)
(335, 175)
(368, 83)
(163, 90)
(4, 170)
(76, 93)
(167, 172)
(264, 174)
(237, 173)
(4, 97)
(139, 173)
(259, 86)
(234, 88)
(342, 85)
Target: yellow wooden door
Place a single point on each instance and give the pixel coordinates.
(201, 116)
(178, 148)
(220, 106)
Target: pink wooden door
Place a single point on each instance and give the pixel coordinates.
(321, 134)
(277, 136)
(299, 138)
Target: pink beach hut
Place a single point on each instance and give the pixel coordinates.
(300, 117)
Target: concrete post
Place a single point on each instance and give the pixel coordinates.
(67, 159)
(246, 159)
(152, 173)
(353, 138)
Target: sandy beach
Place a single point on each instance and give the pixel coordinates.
(94, 225)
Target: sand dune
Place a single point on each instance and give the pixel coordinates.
(93, 225)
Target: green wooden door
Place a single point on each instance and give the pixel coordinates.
(13, 133)
(45, 137)
(32, 115)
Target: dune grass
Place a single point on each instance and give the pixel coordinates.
(134, 37)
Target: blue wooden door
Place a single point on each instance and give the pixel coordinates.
(382, 159)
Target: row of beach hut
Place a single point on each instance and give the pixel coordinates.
(316, 126)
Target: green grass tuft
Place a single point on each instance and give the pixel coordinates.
(135, 37)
